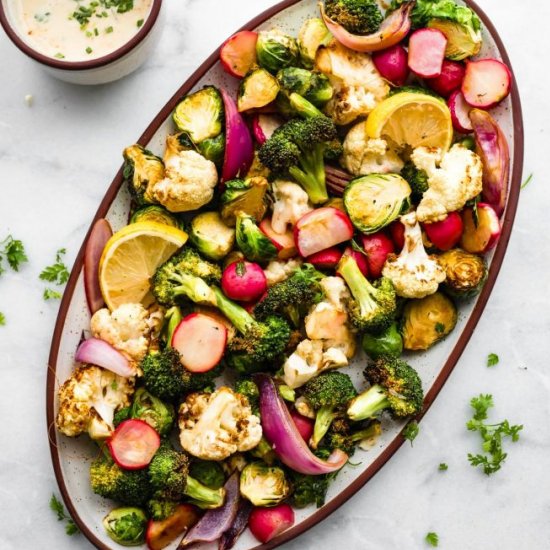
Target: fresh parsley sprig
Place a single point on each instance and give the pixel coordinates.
(432, 539)
(491, 434)
(492, 360)
(57, 507)
(56, 273)
(13, 251)
(412, 429)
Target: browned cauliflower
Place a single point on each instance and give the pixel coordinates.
(89, 399)
(213, 426)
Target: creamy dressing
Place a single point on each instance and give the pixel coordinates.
(80, 30)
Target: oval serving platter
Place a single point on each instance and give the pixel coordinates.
(71, 457)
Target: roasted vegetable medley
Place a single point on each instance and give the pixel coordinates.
(326, 219)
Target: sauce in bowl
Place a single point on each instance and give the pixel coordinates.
(80, 30)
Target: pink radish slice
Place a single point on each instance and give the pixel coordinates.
(450, 79)
(360, 260)
(303, 424)
(244, 281)
(326, 259)
(98, 352)
(133, 444)
(460, 113)
(263, 127)
(377, 247)
(238, 53)
(266, 523)
(446, 233)
(321, 229)
(397, 232)
(492, 147)
(99, 235)
(427, 52)
(200, 340)
(483, 236)
(392, 64)
(284, 243)
(486, 83)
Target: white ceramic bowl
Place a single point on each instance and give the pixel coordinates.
(108, 68)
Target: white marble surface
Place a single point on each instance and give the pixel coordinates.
(58, 156)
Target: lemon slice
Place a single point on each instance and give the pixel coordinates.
(131, 257)
(413, 119)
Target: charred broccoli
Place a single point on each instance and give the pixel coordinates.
(250, 390)
(341, 435)
(152, 410)
(417, 179)
(356, 16)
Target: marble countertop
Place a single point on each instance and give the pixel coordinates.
(57, 158)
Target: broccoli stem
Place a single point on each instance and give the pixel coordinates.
(372, 430)
(193, 288)
(203, 496)
(242, 320)
(360, 287)
(323, 419)
(368, 404)
(311, 175)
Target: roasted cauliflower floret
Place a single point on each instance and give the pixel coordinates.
(130, 328)
(188, 184)
(89, 399)
(453, 179)
(363, 156)
(213, 426)
(414, 273)
(277, 270)
(291, 203)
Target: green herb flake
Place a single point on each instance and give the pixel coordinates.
(492, 360)
(2, 319)
(411, 431)
(59, 55)
(57, 507)
(443, 467)
(13, 251)
(109, 30)
(58, 272)
(432, 539)
(51, 294)
(96, 32)
(139, 23)
(89, 50)
(240, 269)
(439, 328)
(527, 181)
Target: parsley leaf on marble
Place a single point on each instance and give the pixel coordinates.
(51, 294)
(411, 431)
(492, 436)
(492, 360)
(2, 319)
(527, 181)
(57, 507)
(443, 467)
(13, 251)
(432, 539)
(56, 273)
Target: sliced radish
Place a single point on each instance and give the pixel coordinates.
(446, 233)
(360, 260)
(283, 243)
(266, 523)
(392, 64)
(98, 352)
(161, 533)
(200, 340)
(482, 236)
(303, 424)
(326, 259)
(450, 79)
(397, 232)
(321, 229)
(263, 126)
(486, 83)
(99, 235)
(377, 247)
(244, 281)
(427, 52)
(133, 444)
(460, 113)
(238, 53)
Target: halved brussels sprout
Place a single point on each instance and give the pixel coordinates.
(257, 89)
(463, 41)
(141, 168)
(466, 273)
(126, 526)
(211, 236)
(427, 320)
(376, 200)
(389, 343)
(264, 485)
(276, 50)
(151, 409)
(208, 473)
(255, 246)
(246, 196)
(200, 114)
(155, 213)
(312, 36)
(213, 149)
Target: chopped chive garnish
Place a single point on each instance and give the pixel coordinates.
(89, 50)
(59, 55)
(139, 23)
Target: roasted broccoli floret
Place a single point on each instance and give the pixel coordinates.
(160, 509)
(208, 472)
(185, 275)
(292, 297)
(341, 435)
(372, 308)
(309, 489)
(417, 179)
(170, 480)
(395, 386)
(166, 377)
(328, 394)
(356, 16)
(297, 149)
(152, 410)
(250, 390)
(130, 487)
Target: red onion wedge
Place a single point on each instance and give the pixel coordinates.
(239, 150)
(229, 538)
(100, 353)
(101, 232)
(393, 29)
(492, 147)
(280, 430)
(218, 520)
(263, 126)
(133, 444)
